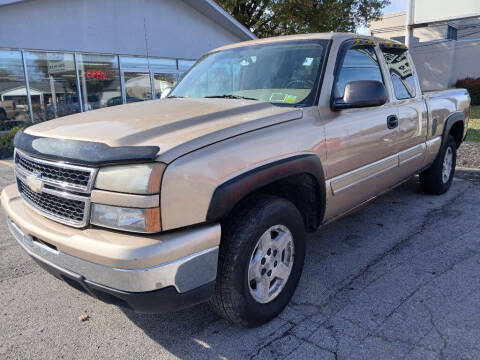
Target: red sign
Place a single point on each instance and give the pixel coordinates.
(96, 74)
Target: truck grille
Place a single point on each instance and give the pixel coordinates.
(54, 173)
(61, 208)
(57, 190)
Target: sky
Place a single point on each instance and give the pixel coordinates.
(395, 6)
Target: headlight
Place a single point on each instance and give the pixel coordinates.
(139, 179)
(133, 179)
(128, 219)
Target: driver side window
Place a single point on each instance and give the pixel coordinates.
(360, 63)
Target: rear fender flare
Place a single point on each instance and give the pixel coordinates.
(451, 120)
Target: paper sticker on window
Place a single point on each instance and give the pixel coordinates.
(290, 99)
(308, 61)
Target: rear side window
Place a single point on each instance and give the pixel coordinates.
(360, 63)
(401, 72)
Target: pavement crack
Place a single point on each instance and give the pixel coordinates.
(282, 335)
(441, 353)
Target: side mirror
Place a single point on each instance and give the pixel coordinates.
(165, 92)
(363, 93)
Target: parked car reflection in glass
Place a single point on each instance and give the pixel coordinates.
(117, 100)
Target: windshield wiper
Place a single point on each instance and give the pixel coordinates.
(175, 97)
(230, 96)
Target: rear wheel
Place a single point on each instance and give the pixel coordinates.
(438, 177)
(261, 260)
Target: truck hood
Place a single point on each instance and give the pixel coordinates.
(176, 125)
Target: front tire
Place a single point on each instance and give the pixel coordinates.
(261, 259)
(437, 178)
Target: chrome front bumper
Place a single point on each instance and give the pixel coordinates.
(183, 274)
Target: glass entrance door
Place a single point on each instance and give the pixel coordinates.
(138, 86)
(163, 81)
(141, 84)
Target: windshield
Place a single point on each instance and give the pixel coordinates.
(284, 73)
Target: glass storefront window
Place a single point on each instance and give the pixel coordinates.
(133, 62)
(137, 86)
(13, 92)
(53, 84)
(163, 82)
(137, 73)
(161, 65)
(99, 80)
(150, 64)
(184, 65)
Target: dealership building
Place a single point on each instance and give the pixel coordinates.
(59, 57)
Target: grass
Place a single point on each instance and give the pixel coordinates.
(473, 133)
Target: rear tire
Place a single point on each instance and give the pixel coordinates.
(437, 178)
(263, 243)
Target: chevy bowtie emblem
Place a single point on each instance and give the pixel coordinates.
(35, 182)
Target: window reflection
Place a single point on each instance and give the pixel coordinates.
(137, 86)
(13, 92)
(54, 88)
(400, 71)
(99, 80)
(185, 65)
(164, 82)
(360, 63)
(53, 85)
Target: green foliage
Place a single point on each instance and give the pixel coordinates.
(6, 140)
(473, 133)
(285, 17)
(473, 87)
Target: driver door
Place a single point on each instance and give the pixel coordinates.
(361, 151)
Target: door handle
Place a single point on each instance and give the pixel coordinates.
(392, 121)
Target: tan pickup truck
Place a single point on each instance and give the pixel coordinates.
(208, 194)
(8, 109)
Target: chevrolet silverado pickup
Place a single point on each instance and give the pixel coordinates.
(209, 193)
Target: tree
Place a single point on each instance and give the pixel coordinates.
(267, 18)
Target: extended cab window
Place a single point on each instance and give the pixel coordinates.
(359, 63)
(401, 72)
(283, 73)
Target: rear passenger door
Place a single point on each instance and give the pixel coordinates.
(411, 108)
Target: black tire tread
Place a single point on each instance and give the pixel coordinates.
(431, 179)
(241, 222)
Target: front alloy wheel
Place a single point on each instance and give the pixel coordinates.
(271, 264)
(260, 262)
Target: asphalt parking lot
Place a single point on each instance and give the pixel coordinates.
(398, 279)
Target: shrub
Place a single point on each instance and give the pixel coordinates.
(6, 140)
(473, 87)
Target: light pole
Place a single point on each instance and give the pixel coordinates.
(409, 25)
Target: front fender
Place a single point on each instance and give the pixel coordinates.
(228, 194)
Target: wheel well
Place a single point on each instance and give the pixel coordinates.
(457, 132)
(303, 191)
